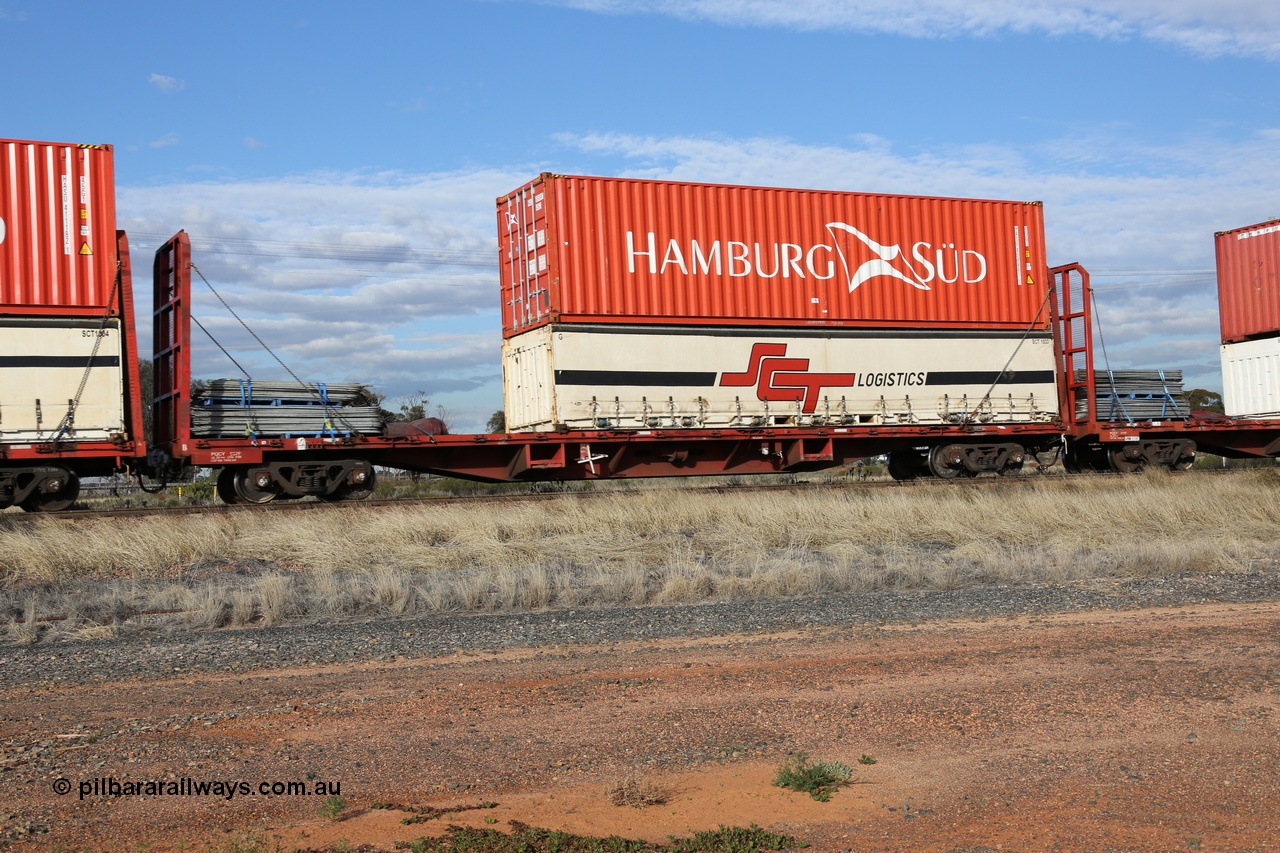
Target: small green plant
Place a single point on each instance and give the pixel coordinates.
(333, 807)
(866, 759)
(817, 780)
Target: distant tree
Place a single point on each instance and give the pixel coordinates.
(414, 406)
(409, 408)
(497, 422)
(1210, 401)
(445, 417)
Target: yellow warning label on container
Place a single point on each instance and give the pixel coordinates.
(85, 250)
(1030, 280)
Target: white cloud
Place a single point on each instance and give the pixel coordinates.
(250, 142)
(166, 84)
(166, 141)
(1205, 27)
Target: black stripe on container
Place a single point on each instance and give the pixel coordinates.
(635, 377)
(58, 361)
(989, 377)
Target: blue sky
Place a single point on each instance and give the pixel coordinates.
(336, 164)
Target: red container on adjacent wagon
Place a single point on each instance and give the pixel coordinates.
(57, 228)
(615, 250)
(1249, 281)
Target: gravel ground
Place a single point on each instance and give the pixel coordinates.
(245, 650)
(1125, 715)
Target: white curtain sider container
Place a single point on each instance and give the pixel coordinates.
(583, 376)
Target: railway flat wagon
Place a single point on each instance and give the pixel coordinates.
(650, 329)
(69, 392)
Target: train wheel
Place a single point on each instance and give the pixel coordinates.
(1186, 460)
(226, 486)
(253, 489)
(68, 489)
(362, 491)
(944, 462)
(1123, 464)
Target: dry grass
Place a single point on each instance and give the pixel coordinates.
(636, 791)
(640, 546)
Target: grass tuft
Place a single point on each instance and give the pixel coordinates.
(817, 780)
(636, 791)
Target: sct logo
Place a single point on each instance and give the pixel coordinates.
(781, 379)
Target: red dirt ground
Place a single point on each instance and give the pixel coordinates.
(1142, 730)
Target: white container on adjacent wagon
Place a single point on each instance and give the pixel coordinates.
(1251, 378)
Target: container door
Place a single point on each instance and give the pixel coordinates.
(61, 379)
(528, 375)
(525, 257)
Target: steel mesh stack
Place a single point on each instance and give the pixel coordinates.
(1136, 395)
(234, 408)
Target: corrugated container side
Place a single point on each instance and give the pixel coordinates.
(583, 249)
(57, 228)
(1251, 378)
(1249, 281)
(611, 376)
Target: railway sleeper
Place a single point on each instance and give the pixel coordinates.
(330, 480)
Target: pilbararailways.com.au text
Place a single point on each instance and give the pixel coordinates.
(227, 789)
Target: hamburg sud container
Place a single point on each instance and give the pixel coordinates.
(60, 329)
(631, 304)
(1249, 305)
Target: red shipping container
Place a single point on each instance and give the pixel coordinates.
(1249, 281)
(57, 228)
(581, 249)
